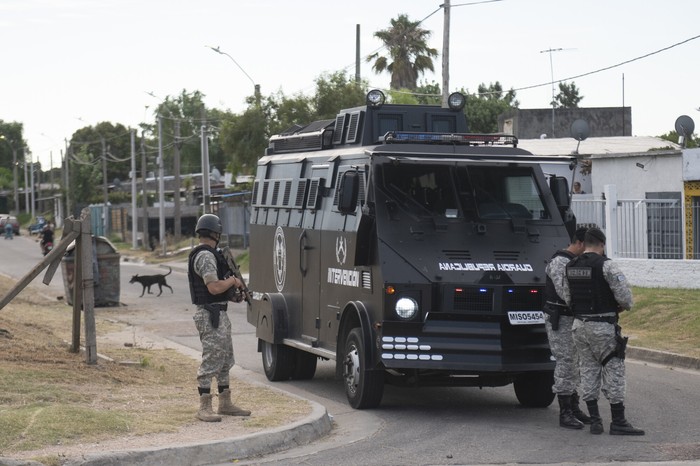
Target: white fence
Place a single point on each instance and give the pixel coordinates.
(636, 228)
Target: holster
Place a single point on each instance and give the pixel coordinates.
(553, 312)
(214, 310)
(620, 346)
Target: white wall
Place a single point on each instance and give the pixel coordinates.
(691, 164)
(661, 273)
(661, 173)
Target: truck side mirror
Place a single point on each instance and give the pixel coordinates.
(560, 190)
(349, 191)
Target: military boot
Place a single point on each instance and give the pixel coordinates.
(227, 407)
(205, 412)
(580, 415)
(620, 425)
(566, 416)
(596, 420)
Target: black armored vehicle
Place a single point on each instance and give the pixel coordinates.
(408, 250)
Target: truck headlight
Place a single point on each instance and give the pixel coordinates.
(406, 308)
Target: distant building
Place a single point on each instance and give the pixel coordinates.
(536, 123)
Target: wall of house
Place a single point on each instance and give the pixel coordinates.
(661, 171)
(661, 273)
(532, 123)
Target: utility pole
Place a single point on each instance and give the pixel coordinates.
(105, 192)
(446, 55)
(177, 221)
(161, 185)
(134, 222)
(31, 174)
(145, 240)
(206, 190)
(357, 53)
(67, 181)
(26, 185)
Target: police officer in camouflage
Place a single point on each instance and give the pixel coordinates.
(558, 322)
(597, 291)
(211, 286)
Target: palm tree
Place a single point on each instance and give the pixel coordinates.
(408, 51)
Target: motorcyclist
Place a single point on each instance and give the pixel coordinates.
(46, 238)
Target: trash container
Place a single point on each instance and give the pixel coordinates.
(105, 271)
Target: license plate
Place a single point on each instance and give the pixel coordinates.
(526, 317)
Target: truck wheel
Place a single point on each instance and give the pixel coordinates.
(304, 365)
(364, 388)
(278, 361)
(534, 389)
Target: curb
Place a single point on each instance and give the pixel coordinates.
(302, 432)
(663, 357)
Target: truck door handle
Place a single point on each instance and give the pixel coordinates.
(303, 247)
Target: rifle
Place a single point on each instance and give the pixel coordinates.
(228, 255)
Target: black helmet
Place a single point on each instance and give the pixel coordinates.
(208, 222)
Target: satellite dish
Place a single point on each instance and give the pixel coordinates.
(684, 127)
(580, 130)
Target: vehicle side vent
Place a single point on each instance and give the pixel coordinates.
(314, 200)
(301, 194)
(361, 197)
(263, 198)
(457, 254)
(255, 193)
(287, 193)
(275, 193)
(366, 279)
(339, 128)
(354, 127)
(506, 255)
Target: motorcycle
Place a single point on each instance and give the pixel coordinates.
(46, 247)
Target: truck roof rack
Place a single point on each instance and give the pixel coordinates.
(467, 139)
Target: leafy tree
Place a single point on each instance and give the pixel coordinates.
(244, 139)
(568, 96)
(402, 96)
(482, 110)
(409, 54)
(429, 94)
(11, 138)
(334, 92)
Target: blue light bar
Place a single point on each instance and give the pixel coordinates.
(469, 139)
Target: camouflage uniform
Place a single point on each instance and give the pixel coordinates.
(566, 371)
(595, 340)
(217, 346)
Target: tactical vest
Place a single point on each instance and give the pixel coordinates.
(590, 292)
(198, 290)
(550, 293)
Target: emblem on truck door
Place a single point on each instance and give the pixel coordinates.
(280, 259)
(341, 249)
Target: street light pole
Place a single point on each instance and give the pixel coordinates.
(256, 87)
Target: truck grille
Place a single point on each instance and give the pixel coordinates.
(473, 299)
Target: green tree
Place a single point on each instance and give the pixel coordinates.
(482, 110)
(429, 94)
(334, 92)
(11, 138)
(409, 54)
(568, 96)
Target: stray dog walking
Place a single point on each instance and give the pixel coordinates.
(147, 281)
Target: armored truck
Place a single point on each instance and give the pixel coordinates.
(407, 250)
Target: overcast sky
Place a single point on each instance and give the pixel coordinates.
(71, 63)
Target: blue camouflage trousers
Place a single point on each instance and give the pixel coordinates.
(594, 341)
(217, 349)
(561, 342)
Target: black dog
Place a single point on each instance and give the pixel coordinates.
(149, 280)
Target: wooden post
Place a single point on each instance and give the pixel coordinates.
(88, 291)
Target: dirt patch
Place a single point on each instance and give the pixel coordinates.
(54, 406)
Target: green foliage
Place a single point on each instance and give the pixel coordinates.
(6, 178)
(482, 110)
(334, 92)
(409, 54)
(402, 96)
(10, 139)
(672, 136)
(429, 94)
(568, 96)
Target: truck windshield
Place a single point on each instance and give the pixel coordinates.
(471, 192)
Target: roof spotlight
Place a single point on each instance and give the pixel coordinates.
(375, 98)
(456, 101)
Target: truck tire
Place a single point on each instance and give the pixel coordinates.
(364, 388)
(534, 389)
(304, 365)
(277, 360)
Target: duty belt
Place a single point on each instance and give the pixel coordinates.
(214, 309)
(608, 319)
